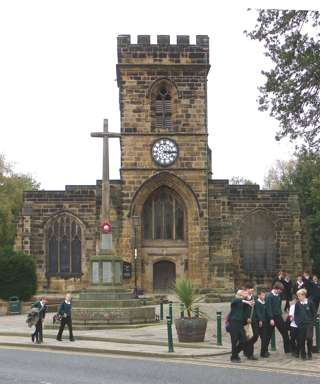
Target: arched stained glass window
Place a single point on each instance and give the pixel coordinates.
(258, 245)
(64, 246)
(163, 216)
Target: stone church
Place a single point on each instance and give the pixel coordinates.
(166, 205)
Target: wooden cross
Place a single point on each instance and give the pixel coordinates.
(105, 206)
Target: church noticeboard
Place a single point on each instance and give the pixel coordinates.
(127, 270)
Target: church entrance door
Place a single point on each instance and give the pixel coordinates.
(164, 276)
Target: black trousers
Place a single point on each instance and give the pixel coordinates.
(237, 338)
(263, 334)
(316, 303)
(38, 332)
(248, 346)
(305, 334)
(64, 321)
(294, 340)
(281, 327)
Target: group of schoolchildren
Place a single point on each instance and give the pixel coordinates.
(264, 312)
(37, 315)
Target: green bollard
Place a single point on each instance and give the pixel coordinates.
(318, 333)
(273, 340)
(181, 310)
(219, 331)
(170, 339)
(161, 309)
(170, 311)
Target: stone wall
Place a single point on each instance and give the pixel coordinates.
(228, 206)
(82, 202)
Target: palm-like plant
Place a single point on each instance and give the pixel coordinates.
(186, 294)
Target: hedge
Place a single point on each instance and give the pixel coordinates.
(18, 275)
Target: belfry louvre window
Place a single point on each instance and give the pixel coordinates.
(163, 110)
(64, 246)
(258, 245)
(163, 216)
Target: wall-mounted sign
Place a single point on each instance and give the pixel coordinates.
(127, 270)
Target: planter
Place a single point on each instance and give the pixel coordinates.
(191, 329)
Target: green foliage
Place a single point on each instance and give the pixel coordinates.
(12, 186)
(238, 180)
(17, 275)
(185, 293)
(302, 175)
(291, 92)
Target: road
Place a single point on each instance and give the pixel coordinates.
(32, 367)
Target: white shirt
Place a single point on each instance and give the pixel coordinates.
(291, 314)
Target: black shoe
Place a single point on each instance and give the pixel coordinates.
(303, 358)
(38, 342)
(59, 339)
(309, 356)
(32, 338)
(73, 339)
(252, 357)
(235, 359)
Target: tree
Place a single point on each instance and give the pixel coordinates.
(302, 175)
(12, 186)
(238, 180)
(18, 275)
(291, 92)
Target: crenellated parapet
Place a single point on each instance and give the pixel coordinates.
(163, 52)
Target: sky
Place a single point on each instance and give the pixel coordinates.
(58, 82)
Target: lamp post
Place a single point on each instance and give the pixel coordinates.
(135, 223)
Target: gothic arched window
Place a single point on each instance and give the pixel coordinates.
(64, 246)
(258, 245)
(163, 216)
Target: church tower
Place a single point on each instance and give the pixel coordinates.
(165, 159)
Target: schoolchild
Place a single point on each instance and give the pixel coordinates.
(299, 284)
(304, 316)
(261, 321)
(236, 319)
(293, 331)
(274, 316)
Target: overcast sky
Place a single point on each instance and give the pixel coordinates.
(57, 82)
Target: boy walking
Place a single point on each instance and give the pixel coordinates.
(236, 318)
(65, 312)
(304, 315)
(250, 317)
(274, 315)
(261, 321)
(293, 332)
(38, 333)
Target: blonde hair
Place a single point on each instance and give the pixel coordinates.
(302, 291)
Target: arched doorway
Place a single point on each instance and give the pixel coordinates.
(164, 276)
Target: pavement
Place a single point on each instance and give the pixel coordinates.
(150, 342)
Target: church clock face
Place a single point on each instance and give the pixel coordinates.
(164, 152)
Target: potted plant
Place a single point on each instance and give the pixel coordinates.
(193, 327)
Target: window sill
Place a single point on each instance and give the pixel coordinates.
(64, 274)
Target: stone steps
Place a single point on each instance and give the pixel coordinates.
(105, 295)
(108, 303)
